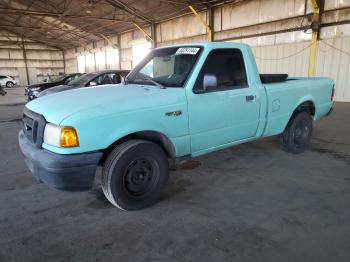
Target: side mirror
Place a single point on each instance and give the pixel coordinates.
(210, 82)
(93, 83)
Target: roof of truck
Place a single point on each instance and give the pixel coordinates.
(209, 44)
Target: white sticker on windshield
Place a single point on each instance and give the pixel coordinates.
(187, 51)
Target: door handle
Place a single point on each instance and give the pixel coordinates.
(249, 98)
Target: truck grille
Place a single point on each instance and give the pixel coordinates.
(33, 126)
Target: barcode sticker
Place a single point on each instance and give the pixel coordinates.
(187, 51)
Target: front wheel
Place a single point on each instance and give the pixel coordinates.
(10, 84)
(297, 135)
(134, 174)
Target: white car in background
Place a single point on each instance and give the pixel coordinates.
(7, 81)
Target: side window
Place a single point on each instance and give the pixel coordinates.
(106, 79)
(228, 67)
(96, 81)
(101, 80)
(115, 78)
(73, 77)
(68, 80)
(2, 77)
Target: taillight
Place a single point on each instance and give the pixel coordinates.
(333, 93)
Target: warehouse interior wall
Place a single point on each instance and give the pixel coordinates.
(332, 60)
(27, 61)
(280, 39)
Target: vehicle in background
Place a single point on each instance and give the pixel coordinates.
(180, 102)
(90, 79)
(7, 81)
(32, 91)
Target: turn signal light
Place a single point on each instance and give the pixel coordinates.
(69, 137)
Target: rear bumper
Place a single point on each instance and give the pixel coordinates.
(74, 172)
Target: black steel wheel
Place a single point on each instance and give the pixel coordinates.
(297, 135)
(141, 176)
(134, 174)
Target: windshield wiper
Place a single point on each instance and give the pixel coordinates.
(147, 78)
(153, 81)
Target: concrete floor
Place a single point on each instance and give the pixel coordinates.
(14, 96)
(249, 203)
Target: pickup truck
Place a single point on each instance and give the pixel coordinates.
(180, 102)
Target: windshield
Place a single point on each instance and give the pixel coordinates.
(166, 67)
(82, 79)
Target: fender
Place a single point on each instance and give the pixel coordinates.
(304, 100)
(155, 136)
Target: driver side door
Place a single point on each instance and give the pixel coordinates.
(227, 112)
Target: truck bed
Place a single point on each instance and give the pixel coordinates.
(285, 96)
(273, 78)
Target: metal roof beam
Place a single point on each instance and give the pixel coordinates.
(131, 11)
(11, 11)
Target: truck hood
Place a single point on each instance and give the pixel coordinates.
(106, 100)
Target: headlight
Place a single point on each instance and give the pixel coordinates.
(34, 89)
(60, 136)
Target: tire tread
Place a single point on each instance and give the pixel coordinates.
(288, 146)
(113, 157)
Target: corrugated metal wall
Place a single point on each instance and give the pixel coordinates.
(332, 60)
(287, 58)
(42, 61)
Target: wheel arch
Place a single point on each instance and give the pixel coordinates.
(150, 135)
(306, 105)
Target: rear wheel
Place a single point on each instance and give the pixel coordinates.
(134, 174)
(10, 84)
(297, 135)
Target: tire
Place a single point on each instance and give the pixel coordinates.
(10, 84)
(297, 135)
(134, 174)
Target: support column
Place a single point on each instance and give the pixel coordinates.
(210, 34)
(154, 35)
(64, 61)
(315, 26)
(144, 32)
(25, 61)
(119, 52)
(211, 22)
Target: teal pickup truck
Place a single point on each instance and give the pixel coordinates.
(180, 102)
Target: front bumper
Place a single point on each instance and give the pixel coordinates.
(75, 172)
